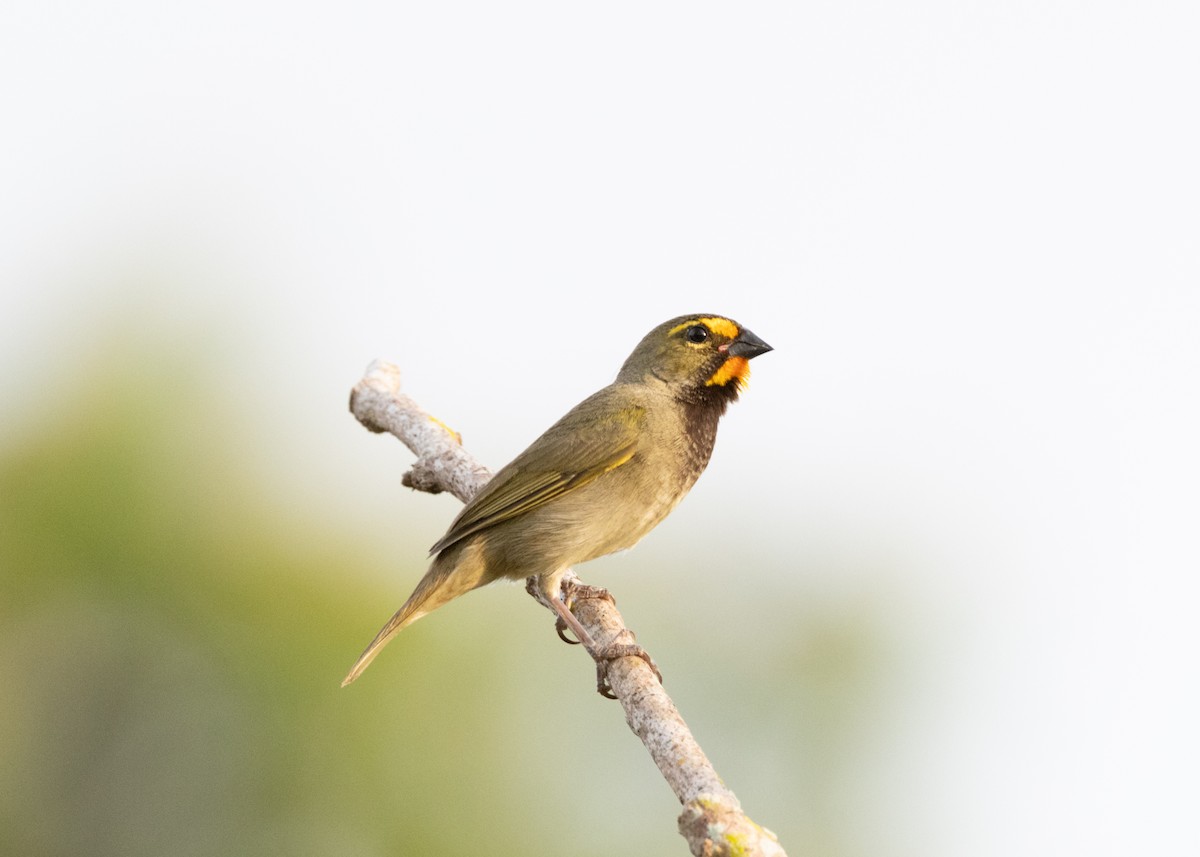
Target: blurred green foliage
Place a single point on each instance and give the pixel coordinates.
(172, 638)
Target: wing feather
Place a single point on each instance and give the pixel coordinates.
(589, 441)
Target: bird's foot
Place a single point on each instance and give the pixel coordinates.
(572, 591)
(615, 651)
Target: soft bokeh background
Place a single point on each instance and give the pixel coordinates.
(936, 593)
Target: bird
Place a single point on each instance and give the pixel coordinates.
(597, 481)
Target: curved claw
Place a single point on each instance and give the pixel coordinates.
(602, 685)
(572, 591)
(560, 628)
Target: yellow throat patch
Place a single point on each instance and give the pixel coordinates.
(736, 369)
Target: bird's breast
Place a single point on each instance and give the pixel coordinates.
(616, 510)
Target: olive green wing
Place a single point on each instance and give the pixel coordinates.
(589, 441)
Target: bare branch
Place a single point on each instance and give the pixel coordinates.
(442, 464)
(712, 821)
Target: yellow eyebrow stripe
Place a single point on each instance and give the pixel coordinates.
(716, 324)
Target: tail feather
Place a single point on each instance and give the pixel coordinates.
(404, 617)
(449, 577)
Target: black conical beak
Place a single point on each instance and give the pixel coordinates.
(748, 345)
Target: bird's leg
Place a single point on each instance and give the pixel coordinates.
(533, 587)
(566, 619)
(571, 591)
(574, 590)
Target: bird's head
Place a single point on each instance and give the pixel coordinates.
(700, 356)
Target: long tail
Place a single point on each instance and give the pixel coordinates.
(452, 574)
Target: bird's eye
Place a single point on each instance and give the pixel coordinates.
(696, 333)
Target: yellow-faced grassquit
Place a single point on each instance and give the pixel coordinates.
(598, 480)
